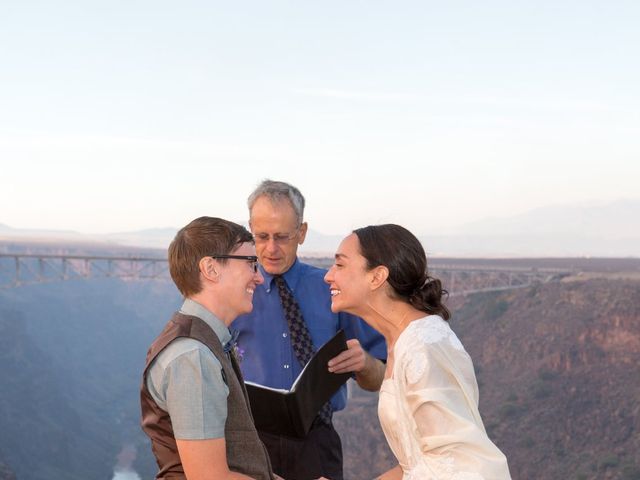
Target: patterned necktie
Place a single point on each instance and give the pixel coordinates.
(300, 337)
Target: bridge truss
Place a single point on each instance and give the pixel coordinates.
(458, 279)
(468, 279)
(25, 269)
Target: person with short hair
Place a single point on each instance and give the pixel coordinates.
(428, 404)
(194, 404)
(271, 354)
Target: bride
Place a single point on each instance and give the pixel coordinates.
(428, 404)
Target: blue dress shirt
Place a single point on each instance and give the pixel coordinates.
(263, 341)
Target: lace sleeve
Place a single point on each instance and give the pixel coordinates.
(425, 393)
(437, 401)
(433, 396)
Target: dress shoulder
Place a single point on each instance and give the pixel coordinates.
(419, 342)
(432, 329)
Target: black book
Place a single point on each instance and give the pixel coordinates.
(291, 412)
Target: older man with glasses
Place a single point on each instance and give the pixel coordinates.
(276, 341)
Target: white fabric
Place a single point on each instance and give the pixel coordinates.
(429, 408)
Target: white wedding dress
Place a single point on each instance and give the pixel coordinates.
(429, 408)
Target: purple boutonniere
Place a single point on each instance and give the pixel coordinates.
(232, 346)
(239, 352)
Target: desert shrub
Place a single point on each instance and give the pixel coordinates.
(608, 461)
(527, 442)
(631, 472)
(540, 390)
(546, 375)
(509, 410)
(497, 309)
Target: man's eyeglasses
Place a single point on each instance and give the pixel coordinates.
(252, 259)
(278, 238)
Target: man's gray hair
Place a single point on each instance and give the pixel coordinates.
(276, 192)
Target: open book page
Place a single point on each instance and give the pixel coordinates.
(324, 354)
(266, 387)
(291, 412)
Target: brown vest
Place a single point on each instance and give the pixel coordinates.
(245, 452)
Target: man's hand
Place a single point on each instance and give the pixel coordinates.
(369, 371)
(353, 359)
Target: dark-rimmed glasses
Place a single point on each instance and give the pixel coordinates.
(252, 259)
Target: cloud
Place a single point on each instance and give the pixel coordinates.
(354, 94)
(539, 104)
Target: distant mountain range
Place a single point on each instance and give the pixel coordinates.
(608, 230)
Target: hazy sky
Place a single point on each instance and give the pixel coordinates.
(125, 115)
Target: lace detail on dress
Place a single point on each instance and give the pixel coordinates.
(427, 330)
(433, 329)
(439, 468)
(434, 429)
(416, 366)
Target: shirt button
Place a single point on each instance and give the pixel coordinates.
(286, 365)
(284, 335)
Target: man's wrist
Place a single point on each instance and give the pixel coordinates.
(370, 378)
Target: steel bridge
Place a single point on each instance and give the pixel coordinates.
(458, 278)
(24, 269)
(461, 279)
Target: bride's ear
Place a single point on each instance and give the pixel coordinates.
(379, 277)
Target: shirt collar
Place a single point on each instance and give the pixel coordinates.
(193, 308)
(291, 276)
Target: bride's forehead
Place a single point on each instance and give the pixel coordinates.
(349, 244)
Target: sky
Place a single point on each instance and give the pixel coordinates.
(127, 115)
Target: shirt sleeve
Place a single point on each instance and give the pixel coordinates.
(195, 395)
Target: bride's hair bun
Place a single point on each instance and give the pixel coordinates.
(400, 251)
(428, 298)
